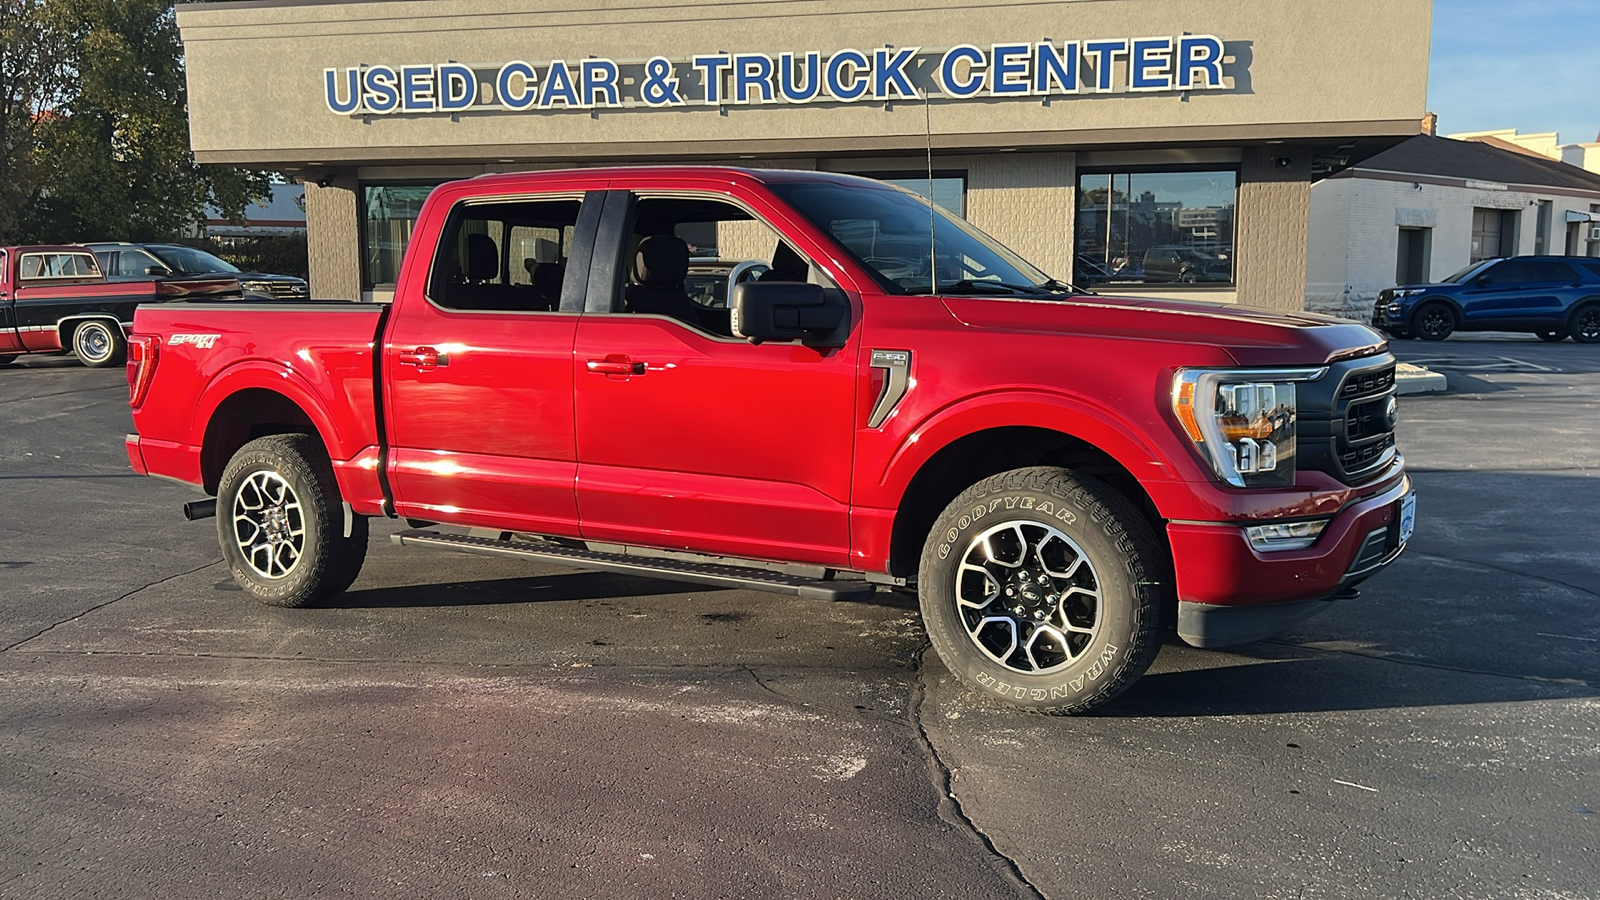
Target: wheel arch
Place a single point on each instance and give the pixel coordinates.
(245, 413)
(67, 325)
(975, 455)
(1452, 303)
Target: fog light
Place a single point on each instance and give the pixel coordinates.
(1286, 536)
(1393, 307)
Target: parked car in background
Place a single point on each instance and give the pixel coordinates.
(1179, 262)
(1553, 297)
(55, 298)
(177, 263)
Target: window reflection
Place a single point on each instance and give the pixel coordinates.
(1155, 227)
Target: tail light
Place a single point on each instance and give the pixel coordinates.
(143, 350)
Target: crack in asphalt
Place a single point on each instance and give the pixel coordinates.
(1508, 571)
(99, 606)
(950, 808)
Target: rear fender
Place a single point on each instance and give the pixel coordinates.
(263, 375)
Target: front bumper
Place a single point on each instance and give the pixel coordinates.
(1230, 593)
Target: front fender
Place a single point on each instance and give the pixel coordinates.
(1122, 437)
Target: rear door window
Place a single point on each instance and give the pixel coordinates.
(1552, 272)
(506, 255)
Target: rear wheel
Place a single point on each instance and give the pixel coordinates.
(98, 345)
(1433, 321)
(1586, 324)
(7, 359)
(1044, 588)
(281, 525)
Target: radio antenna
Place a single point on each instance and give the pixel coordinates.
(933, 244)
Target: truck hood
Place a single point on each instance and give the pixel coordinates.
(1251, 335)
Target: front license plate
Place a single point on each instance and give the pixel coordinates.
(1408, 516)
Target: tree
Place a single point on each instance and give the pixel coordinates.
(96, 127)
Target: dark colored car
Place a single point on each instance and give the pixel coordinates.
(1178, 262)
(1087, 271)
(141, 262)
(1553, 297)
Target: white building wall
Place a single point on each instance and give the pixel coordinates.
(1355, 234)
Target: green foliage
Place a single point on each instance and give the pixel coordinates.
(94, 124)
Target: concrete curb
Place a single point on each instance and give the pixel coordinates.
(1411, 379)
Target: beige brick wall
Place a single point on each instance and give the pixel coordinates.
(335, 247)
(1270, 230)
(1025, 200)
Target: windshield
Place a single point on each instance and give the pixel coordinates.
(893, 233)
(190, 261)
(1466, 274)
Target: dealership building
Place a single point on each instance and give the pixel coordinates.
(1159, 148)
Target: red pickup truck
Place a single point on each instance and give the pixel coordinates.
(55, 297)
(883, 396)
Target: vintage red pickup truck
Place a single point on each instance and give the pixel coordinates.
(882, 396)
(54, 298)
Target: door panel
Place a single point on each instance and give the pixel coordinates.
(484, 435)
(9, 340)
(478, 398)
(719, 446)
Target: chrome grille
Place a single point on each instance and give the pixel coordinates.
(290, 290)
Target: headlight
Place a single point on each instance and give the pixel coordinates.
(1242, 421)
(1407, 292)
(260, 287)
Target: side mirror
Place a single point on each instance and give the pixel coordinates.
(157, 271)
(788, 311)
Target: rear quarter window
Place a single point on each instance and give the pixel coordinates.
(46, 266)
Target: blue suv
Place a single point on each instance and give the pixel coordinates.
(1553, 297)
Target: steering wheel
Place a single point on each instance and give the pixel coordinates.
(749, 270)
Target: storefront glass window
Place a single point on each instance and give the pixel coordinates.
(390, 212)
(1155, 227)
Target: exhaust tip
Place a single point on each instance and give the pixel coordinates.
(195, 510)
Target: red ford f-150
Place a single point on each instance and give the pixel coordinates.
(883, 396)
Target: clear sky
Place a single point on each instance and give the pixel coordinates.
(1532, 65)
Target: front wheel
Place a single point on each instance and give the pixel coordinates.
(281, 525)
(1433, 321)
(1552, 336)
(98, 345)
(7, 359)
(1586, 324)
(1044, 588)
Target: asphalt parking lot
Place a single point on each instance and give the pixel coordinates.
(463, 727)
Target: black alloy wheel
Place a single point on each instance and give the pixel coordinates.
(1586, 324)
(1552, 336)
(1433, 321)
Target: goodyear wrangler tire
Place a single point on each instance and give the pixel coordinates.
(1043, 588)
(281, 525)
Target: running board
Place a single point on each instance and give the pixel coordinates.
(738, 577)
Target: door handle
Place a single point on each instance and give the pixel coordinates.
(424, 358)
(615, 364)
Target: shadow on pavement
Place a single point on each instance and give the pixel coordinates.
(533, 589)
